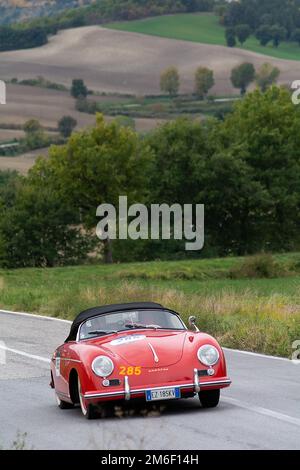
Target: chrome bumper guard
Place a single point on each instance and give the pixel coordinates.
(127, 392)
(196, 381)
(127, 388)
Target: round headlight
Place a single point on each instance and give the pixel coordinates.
(208, 355)
(102, 366)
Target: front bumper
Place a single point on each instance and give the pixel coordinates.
(129, 393)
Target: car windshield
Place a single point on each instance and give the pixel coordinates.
(129, 320)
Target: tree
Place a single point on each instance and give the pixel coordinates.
(204, 81)
(176, 145)
(264, 34)
(266, 19)
(220, 11)
(170, 81)
(66, 125)
(12, 38)
(230, 37)
(242, 76)
(35, 136)
(9, 184)
(234, 14)
(78, 88)
(38, 230)
(234, 202)
(278, 34)
(259, 130)
(266, 76)
(96, 166)
(242, 31)
(296, 35)
(32, 126)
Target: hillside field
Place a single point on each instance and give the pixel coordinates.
(127, 62)
(48, 106)
(254, 314)
(203, 28)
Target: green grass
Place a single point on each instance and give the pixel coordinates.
(254, 314)
(203, 28)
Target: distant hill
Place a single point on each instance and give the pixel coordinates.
(12, 11)
(53, 15)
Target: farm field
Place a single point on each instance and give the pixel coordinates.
(203, 28)
(48, 106)
(128, 62)
(255, 314)
(22, 163)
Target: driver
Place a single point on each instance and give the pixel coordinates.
(148, 318)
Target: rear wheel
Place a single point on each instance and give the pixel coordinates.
(63, 405)
(209, 398)
(87, 409)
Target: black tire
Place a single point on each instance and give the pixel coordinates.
(91, 412)
(209, 398)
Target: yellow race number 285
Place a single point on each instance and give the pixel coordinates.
(124, 370)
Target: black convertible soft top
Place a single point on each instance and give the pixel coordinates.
(95, 311)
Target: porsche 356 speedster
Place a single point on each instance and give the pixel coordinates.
(136, 351)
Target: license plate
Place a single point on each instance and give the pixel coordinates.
(162, 394)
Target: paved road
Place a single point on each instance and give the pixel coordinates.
(261, 410)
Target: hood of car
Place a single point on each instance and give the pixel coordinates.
(146, 348)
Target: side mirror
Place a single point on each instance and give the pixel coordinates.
(192, 323)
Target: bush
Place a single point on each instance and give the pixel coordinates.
(66, 125)
(258, 266)
(12, 38)
(78, 90)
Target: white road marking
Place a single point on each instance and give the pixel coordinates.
(263, 411)
(22, 353)
(44, 317)
(264, 356)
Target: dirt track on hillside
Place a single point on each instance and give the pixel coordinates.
(121, 61)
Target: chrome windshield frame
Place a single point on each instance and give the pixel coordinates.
(78, 339)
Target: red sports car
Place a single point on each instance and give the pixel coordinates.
(136, 350)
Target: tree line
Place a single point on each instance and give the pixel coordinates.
(241, 77)
(245, 169)
(104, 11)
(12, 38)
(268, 20)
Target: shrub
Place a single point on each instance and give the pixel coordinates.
(258, 266)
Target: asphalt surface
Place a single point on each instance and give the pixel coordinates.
(261, 410)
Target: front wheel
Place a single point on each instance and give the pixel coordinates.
(86, 408)
(209, 398)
